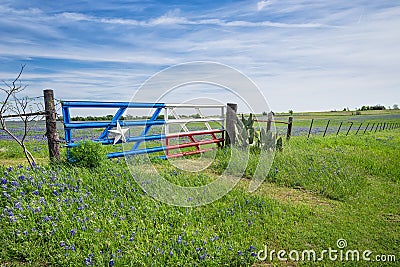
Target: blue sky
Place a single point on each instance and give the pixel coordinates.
(303, 54)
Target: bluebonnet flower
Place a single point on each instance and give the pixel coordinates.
(111, 263)
(253, 254)
(18, 206)
(202, 257)
(88, 261)
(73, 232)
(276, 170)
(55, 192)
(9, 169)
(23, 193)
(6, 195)
(3, 180)
(252, 248)
(46, 218)
(171, 253)
(62, 243)
(36, 192)
(14, 183)
(26, 233)
(179, 239)
(22, 177)
(239, 253)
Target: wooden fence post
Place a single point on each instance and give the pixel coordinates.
(377, 126)
(340, 126)
(351, 124)
(372, 127)
(359, 128)
(269, 121)
(51, 125)
(231, 119)
(366, 128)
(309, 131)
(289, 128)
(326, 128)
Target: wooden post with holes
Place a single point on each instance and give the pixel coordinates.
(51, 125)
(326, 128)
(289, 128)
(231, 119)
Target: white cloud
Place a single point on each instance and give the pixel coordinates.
(262, 4)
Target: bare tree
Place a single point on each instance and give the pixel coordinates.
(24, 109)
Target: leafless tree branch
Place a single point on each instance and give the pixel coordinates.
(27, 109)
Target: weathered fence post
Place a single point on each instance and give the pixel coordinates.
(359, 128)
(372, 127)
(351, 124)
(366, 128)
(326, 128)
(309, 131)
(289, 128)
(340, 126)
(269, 121)
(51, 125)
(231, 119)
(377, 126)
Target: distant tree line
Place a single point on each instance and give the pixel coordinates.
(376, 107)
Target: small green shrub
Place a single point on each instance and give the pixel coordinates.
(87, 154)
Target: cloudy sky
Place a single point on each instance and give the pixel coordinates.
(303, 54)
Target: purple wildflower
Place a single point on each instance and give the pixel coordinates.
(18, 206)
(3, 180)
(111, 263)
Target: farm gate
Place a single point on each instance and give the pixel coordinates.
(177, 135)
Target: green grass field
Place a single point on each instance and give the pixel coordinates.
(319, 190)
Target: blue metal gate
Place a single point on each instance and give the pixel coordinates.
(216, 135)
